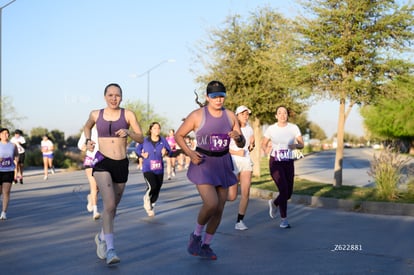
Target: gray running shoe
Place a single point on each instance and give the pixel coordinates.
(111, 257)
(284, 224)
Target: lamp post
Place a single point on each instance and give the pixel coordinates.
(1, 98)
(147, 72)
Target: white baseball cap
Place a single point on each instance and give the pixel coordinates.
(241, 109)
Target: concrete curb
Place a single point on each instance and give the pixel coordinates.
(371, 207)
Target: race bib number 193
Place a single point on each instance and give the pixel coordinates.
(219, 142)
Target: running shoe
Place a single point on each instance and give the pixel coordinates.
(53, 170)
(100, 247)
(207, 252)
(240, 226)
(3, 216)
(284, 224)
(89, 204)
(150, 213)
(96, 216)
(45, 177)
(111, 257)
(272, 209)
(194, 245)
(21, 180)
(147, 202)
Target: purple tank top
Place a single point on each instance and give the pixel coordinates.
(212, 134)
(108, 128)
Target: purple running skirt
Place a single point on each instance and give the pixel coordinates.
(217, 171)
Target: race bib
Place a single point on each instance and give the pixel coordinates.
(282, 155)
(219, 142)
(6, 162)
(287, 154)
(155, 165)
(88, 161)
(98, 157)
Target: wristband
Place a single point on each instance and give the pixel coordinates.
(87, 140)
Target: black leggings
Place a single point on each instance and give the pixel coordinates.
(154, 183)
(283, 173)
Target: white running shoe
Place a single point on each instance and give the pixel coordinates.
(96, 216)
(272, 209)
(100, 247)
(89, 204)
(45, 177)
(240, 226)
(3, 216)
(147, 202)
(151, 213)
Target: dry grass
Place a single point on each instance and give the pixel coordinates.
(305, 187)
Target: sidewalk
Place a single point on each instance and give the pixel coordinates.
(49, 231)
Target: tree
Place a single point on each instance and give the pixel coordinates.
(392, 117)
(350, 48)
(316, 131)
(56, 136)
(306, 126)
(36, 135)
(257, 61)
(137, 107)
(9, 116)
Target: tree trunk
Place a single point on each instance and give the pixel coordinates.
(256, 154)
(340, 145)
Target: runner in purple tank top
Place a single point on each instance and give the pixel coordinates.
(110, 163)
(211, 167)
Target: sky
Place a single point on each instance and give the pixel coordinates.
(57, 57)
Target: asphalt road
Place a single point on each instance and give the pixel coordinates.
(49, 231)
(320, 167)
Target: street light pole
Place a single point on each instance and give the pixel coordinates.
(1, 98)
(147, 72)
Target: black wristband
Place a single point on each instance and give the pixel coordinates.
(241, 141)
(87, 140)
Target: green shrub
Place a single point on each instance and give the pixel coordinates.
(61, 159)
(33, 158)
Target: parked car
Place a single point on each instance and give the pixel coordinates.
(131, 150)
(376, 146)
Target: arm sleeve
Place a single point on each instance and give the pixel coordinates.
(81, 141)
